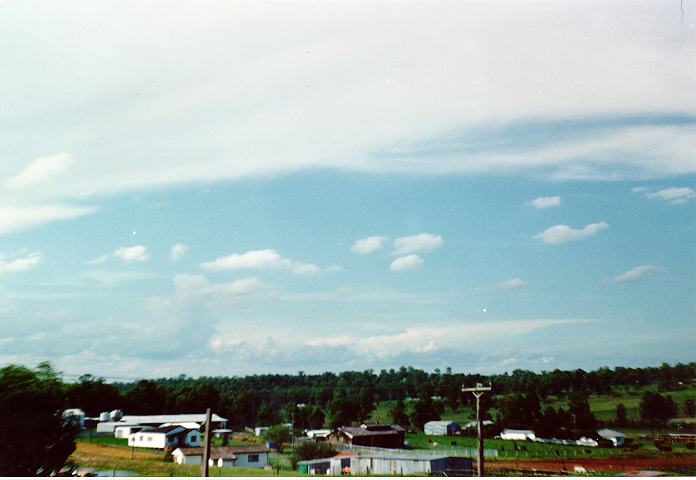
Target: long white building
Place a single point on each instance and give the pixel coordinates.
(165, 437)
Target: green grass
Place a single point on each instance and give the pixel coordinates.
(508, 449)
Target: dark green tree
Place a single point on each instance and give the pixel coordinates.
(398, 414)
(584, 421)
(278, 434)
(425, 410)
(689, 407)
(38, 439)
(621, 419)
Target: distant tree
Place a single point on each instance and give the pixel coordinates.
(689, 407)
(278, 434)
(584, 422)
(426, 410)
(398, 413)
(310, 451)
(656, 410)
(93, 395)
(621, 419)
(146, 398)
(267, 415)
(38, 440)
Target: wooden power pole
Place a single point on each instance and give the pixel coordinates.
(478, 392)
(206, 448)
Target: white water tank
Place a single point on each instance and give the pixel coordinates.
(116, 415)
(104, 416)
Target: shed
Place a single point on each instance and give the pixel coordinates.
(387, 465)
(441, 427)
(617, 438)
(370, 435)
(509, 434)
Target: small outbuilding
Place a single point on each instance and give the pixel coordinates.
(228, 456)
(441, 427)
(165, 437)
(370, 435)
(520, 435)
(617, 438)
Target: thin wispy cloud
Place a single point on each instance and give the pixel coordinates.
(406, 263)
(259, 259)
(367, 245)
(15, 218)
(40, 171)
(137, 253)
(563, 233)
(674, 195)
(177, 251)
(19, 264)
(544, 202)
(423, 242)
(636, 273)
(513, 283)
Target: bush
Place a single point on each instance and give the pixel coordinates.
(690, 445)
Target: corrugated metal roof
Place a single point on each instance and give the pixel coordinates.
(176, 418)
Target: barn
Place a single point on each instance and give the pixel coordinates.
(370, 435)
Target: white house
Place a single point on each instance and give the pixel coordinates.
(320, 434)
(125, 430)
(229, 456)
(617, 438)
(165, 437)
(521, 435)
(109, 426)
(441, 427)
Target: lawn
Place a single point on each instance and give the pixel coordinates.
(149, 462)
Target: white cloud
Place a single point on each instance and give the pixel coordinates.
(545, 202)
(563, 233)
(423, 242)
(137, 253)
(639, 189)
(403, 264)
(39, 171)
(347, 60)
(636, 273)
(178, 251)
(259, 259)
(368, 245)
(198, 286)
(675, 195)
(513, 283)
(98, 260)
(20, 264)
(14, 218)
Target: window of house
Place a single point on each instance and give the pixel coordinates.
(194, 438)
(253, 458)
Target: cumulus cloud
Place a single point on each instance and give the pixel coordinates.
(636, 273)
(545, 202)
(259, 259)
(513, 283)
(367, 245)
(674, 195)
(178, 251)
(406, 263)
(563, 233)
(423, 242)
(39, 171)
(15, 218)
(98, 260)
(137, 253)
(19, 264)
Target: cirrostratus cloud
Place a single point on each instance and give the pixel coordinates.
(406, 263)
(635, 273)
(544, 202)
(367, 245)
(259, 259)
(563, 233)
(423, 242)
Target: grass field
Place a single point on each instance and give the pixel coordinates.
(148, 462)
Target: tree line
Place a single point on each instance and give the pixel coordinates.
(333, 399)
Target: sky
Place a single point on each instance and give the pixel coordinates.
(227, 188)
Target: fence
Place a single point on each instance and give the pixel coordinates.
(449, 452)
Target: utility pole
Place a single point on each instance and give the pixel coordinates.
(206, 448)
(478, 392)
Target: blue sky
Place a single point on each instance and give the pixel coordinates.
(240, 188)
